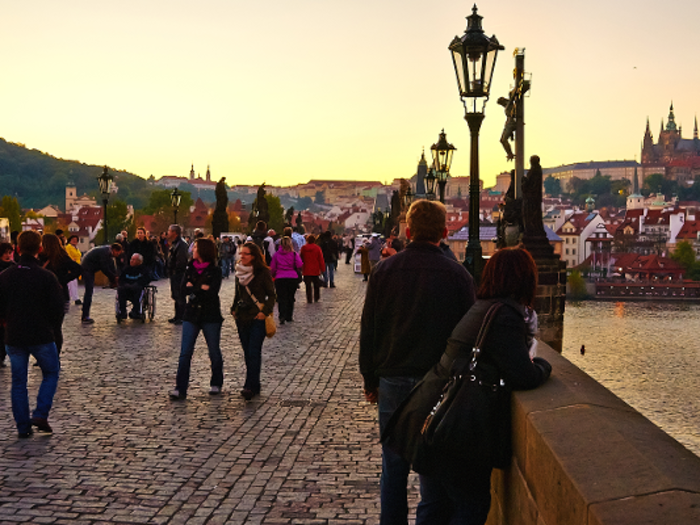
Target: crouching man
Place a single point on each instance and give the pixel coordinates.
(132, 281)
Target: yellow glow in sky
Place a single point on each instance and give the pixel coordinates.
(284, 92)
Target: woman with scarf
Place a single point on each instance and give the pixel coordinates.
(254, 300)
(200, 286)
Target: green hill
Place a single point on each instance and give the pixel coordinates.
(38, 179)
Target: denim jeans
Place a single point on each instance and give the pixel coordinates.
(443, 503)
(212, 335)
(252, 335)
(329, 274)
(47, 358)
(395, 470)
(89, 282)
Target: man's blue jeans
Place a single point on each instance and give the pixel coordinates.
(46, 356)
(252, 335)
(395, 470)
(212, 335)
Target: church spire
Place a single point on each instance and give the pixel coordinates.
(695, 130)
(192, 172)
(635, 182)
(208, 174)
(671, 124)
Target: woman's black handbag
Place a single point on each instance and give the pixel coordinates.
(468, 426)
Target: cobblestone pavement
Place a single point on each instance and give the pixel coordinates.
(305, 452)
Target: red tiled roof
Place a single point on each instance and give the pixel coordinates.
(689, 230)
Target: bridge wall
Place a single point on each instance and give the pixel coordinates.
(582, 456)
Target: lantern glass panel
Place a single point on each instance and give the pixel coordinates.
(459, 69)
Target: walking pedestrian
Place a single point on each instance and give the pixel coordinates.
(177, 264)
(414, 300)
(31, 304)
(74, 253)
(285, 269)
(253, 286)
(312, 257)
(201, 284)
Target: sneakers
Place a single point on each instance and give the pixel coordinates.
(78, 302)
(87, 320)
(175, 321)
(134, 315)
(214, 390)
(175, 395)
(25, 435)
(247, 394)
(42, 425)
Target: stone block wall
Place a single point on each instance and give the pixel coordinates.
(582, 456)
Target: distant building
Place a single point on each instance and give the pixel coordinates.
(677, 158)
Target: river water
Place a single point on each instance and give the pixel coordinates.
(646, 353)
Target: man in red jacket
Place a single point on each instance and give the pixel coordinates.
(314, 265)
(31, 304)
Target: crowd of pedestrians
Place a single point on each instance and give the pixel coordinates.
(421, 315)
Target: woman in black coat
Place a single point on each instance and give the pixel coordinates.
(200, 286)
(55, 258)
(456, 490)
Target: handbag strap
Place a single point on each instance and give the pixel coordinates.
(483, 331)
(257, 303)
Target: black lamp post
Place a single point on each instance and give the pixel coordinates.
(442, 152)
(175, 198)
(474, 57)
(105, 180)
(430, 179)
(408, 198)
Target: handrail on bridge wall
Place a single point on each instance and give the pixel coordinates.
(582, 456)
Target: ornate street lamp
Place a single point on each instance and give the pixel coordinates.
(474, 57)
(175, 198)
(430, 179)
(442, 152)
(408, 198)
(105, 181)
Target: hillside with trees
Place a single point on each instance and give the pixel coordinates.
(38, 179)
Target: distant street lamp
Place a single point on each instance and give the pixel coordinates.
(105, 180)
(175, 198)
(408, 198)
(474, 57)
(442, 152)
(430, 179)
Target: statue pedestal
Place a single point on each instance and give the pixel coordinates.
(550, 300)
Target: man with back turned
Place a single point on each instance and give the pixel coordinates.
(414, 300)
(31, 305)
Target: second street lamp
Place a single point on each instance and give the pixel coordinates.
(474, 57)
(175, 198)
(105, 181)
(430, 179)
(442, 152)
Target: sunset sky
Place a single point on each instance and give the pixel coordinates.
(284, 92)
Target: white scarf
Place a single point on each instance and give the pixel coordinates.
(244, 274)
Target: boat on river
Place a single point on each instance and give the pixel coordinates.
(647, 290)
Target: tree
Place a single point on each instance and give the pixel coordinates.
(577, 286)
(658, 183)
(552, 186)
(320, 198)
(304, 203)
(11, 210)
(219, 223)
(289, 215)
(117, 221)
(684, 254)
(275, 213)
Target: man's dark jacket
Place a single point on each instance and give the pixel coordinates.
(414, 300)
(31, 303)
(100, 259)
(177, 258)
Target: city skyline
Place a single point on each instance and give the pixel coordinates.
(323, 90)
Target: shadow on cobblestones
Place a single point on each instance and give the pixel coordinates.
(305, 452)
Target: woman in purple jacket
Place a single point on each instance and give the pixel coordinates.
(285, 267)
